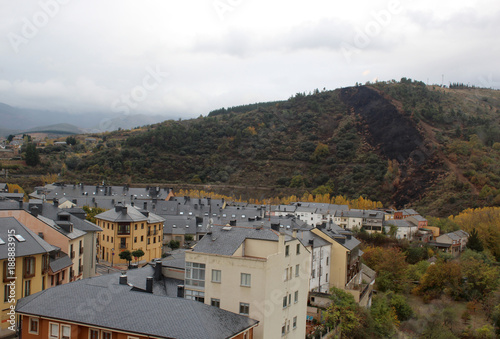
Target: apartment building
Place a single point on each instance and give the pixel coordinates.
(129, 228)
(252, 271)
(24, 262)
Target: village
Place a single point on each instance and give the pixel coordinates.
(204, 267)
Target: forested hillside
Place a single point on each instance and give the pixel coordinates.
(402, 143)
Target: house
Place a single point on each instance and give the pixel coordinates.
(403, 214)
(101, 309)
(24, 259)
(369, 220)
(129, 228)
(60, 233)
(253, 271)
(320, 260)
(453, 242)
(345, 267)
(404, 228)
(418, 220)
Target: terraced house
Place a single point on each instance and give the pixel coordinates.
(129, 228)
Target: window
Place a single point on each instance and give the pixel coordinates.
(142, 238)
(135, 228)
(66, 331)
(142, 226)
(149, 241)
(6, 291)
(245, 279)
(244, 308)
(195, 295)
(296, 297)
(8, 271)
(327, 277)
(287, 250)
(33, 326)
(327, 261)
(107, 238)
(285, 301)
(29, 267)
(297, 269)
(215, 302)
(289, 299)
(298, 248)
(107, 335)
(283, 330)
(53, 330)
(195, 274)
(216, 276)
(93, 334)
(135, 239)
(294, 322)
(27, 288)
(313, 274)
(124, 229)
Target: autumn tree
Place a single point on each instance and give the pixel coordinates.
(474, 243)
(390, 265)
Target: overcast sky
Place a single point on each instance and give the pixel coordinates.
(184, 58)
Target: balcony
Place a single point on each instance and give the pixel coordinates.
(81, 250)
(123, 245)
(72, 255)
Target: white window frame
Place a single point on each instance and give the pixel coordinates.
(50, 330)
(218, 276)
(297, 270)
(296, 297)
(62, 331)
(294, 322)
(37, 320)
(103, 332)
(244, 305)
(245, 279)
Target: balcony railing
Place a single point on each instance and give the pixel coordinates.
(81, 250)
(123, 245)
(72, 255)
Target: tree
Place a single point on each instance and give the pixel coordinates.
(474, 243)
(32, 156)
(126, 255)
(390, 265)
(71, 140)
(92, 212)
(10, 138)
(174, 244)
(137, 254)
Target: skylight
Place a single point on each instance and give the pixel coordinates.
(19, 237)
(1, 241)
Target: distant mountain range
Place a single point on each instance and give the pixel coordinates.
(18, 120)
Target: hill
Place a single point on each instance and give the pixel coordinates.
(402, 143)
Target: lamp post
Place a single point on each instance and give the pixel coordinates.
(112, 256)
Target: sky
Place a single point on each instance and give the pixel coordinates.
(183, 59)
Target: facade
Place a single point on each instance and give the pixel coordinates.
(404, 228)
(24, 262)
(255, 272)
(453, 242)
(320, 261)
(101, 309)
(345, 268)
(128, 228)
(61, 234)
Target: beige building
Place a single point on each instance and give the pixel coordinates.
(128, 228)
(256, 272)
(346, 271)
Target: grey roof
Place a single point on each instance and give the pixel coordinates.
(284, 208)
(60, 263)
(409, 211)
(71, 235)
(356, 213)
(129, 213)
(343, 237)
(400, 223)
(13, 196)
(8, 204)
(305, 236)
(226, 240)
(306, 209)
(418, 218)
(175, 259)
(33, 244)
(134, 312)
(179, 224)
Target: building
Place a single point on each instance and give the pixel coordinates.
(453, 242)
(320, 260)
(346, 270)
(252, 271)
(128, 228)
(404, 228)
(24, 259)
(61, 234)
(101, 309)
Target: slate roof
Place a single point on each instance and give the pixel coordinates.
(400, 223)
(175, 259)
(151, 315)
(60, 263)
(129, 213)
(71, 235)
(226, 242)
(305, 236)
(343, 237)
(33, 244)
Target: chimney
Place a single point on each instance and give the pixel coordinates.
(34, 211)
(232, 222)
(259, 227)
(40, 235)
(294, 233)
(123, 279)
(74, 201)
(56, 202)
(275, 227)
(149, 284)
(118, 208)
(158, 267)
(281, 243)
(145, 205)
(132, 203)
(21, 204)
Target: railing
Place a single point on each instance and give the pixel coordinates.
(81, 250)
(123, 245)
(72, 255)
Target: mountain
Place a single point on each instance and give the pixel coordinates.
(403, 143)
(56, 129)
(17, 120)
